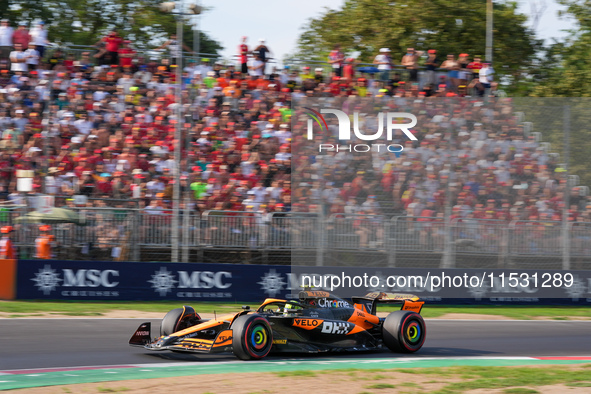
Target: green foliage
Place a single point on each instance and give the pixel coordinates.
(140, 21)
(206, 43)
(568, 75)
(568, 62)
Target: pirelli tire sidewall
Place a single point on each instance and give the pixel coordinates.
(252, 337)
(404, 331)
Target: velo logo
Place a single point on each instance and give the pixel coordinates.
(345, 130)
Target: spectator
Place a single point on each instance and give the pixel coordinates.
(431, 65)
(464, 72)
(384, 63)
(44, 244)
(18, 60)
(336, 59)
(349, 69)
(475, 66)
(263, 53)
(126, 55)
(257, 67)
(486, 75)
(411, 62)
(452, 67)
(39, 38)
(174, 48)
(6, 42)
(21, 36)
(243, 51)
(7, 248)
(112, 42)
(32, 57)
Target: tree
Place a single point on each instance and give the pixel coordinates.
(206, 43)
(84, 22)
(450, 26)
(569, 61)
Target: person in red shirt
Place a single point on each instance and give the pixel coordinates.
(334, 86)
(112, 41)
(223, 81)
(475, 67)
(349, 69)
(126, 54)
(21, 36)
(243, 50)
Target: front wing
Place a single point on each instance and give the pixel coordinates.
(222, 342)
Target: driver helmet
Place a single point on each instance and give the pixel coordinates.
(289, 308)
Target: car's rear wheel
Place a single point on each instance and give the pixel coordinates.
(178, 319)
(252, 337)
(404, 331)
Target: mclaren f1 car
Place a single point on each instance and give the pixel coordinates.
(317, 322)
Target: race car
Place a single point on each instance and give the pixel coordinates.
(317, 322)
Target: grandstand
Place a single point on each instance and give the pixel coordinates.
(478, 187)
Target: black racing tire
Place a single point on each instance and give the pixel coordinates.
(178, 319)
(404, 331)
(252, 337)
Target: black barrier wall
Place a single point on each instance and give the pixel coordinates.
(125, 281)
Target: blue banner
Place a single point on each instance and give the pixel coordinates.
(186, 282)
(107, 280)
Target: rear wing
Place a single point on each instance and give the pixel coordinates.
(369, 302)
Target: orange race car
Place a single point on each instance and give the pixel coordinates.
(317, 322)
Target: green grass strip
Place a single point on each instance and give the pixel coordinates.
(484, 372)
(98, 308)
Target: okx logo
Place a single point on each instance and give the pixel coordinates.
(390, 121)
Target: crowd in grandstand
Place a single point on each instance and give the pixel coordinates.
(102, 124)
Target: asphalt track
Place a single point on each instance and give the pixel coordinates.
(51, 343)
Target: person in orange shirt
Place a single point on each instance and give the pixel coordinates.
(44, 243)
(7, 250)
(232, 91)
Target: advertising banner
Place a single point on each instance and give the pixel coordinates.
(85, 280)
(95, 280)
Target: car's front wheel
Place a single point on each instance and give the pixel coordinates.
(252, 337)
(178, 319)
(404, 331)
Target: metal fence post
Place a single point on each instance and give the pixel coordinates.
(135, 237)
(565, 209)
(447, 259)
(186, 231)
(390, 244)
(200, 239)
(504, 254)
(321, 237)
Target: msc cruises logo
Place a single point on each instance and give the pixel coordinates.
(47, 280)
